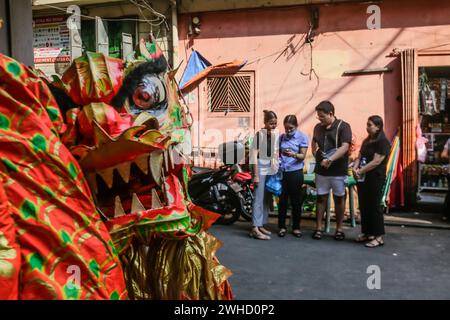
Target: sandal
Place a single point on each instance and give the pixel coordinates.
(258, 235)
(364, 238)
(282, 233)
(377, 242)
(317, 235)
(297, 233)
(265, 231)
(339, 235)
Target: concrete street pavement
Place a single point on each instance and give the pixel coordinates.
(414, 264)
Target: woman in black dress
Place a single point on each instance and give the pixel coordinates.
(446, 208)
(370, 170)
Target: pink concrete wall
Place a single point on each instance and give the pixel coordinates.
(343, 42)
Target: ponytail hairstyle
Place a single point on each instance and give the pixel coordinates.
(291, 119)
(269, 115)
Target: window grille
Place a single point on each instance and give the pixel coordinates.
(229, 93)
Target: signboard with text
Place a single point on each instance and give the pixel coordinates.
(51, 40)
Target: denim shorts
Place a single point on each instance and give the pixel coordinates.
(335, 183)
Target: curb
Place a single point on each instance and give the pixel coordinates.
(390, 224)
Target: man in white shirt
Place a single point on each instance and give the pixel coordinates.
(446, 209)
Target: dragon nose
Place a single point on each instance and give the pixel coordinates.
(145, 96)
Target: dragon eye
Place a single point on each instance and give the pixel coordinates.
(149, 93)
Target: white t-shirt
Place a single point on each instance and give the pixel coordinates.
(447, 147)
(447, 144)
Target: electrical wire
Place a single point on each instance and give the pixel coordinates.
(105, 19)
(161, 18)
(257, 59)
(144, 5)
(311, 70)
(279, 52)
(148, 6)
(310, 39)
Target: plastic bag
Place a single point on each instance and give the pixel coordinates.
(274, 184)
(421, 145)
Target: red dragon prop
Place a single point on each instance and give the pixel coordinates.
(106, 190)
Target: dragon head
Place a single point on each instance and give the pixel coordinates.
(132, 141)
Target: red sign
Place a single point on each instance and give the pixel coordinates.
(52, 60)
(47, 20)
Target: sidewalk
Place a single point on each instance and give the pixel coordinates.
(416, 219)
(401, 219)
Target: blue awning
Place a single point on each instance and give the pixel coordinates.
(196, 64)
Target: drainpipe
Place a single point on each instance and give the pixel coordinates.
(175, 41)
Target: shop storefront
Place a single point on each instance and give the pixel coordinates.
(113, 28)
(117, 33)
(434, 107)
(53, 43)
(426, 126)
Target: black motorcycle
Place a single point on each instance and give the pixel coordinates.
(227, 191)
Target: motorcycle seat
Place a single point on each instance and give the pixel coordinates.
(201, 170)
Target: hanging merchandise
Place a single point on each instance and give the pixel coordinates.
(443, 94)
(439, 86)
(422, 81)
(448, 88)
(428, 97)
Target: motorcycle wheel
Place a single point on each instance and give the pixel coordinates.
(231, 207)
(247, 204)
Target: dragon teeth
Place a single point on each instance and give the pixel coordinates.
(156, 201)
(156, 163)
(170, 197)
(166, 160)
(142, 163)
(136, 205)
(124, 171)
(118, 208)
(107, 176)
(181, 157)
(172, 163)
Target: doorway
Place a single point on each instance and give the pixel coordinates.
(434, 112)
